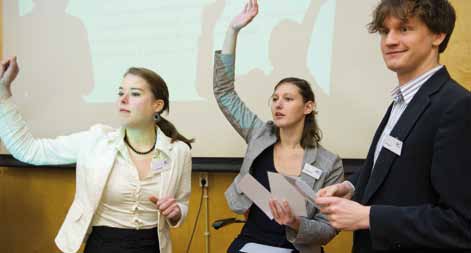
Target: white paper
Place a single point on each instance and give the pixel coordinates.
(281, 190)
(257, 193)
(303, 188)
(252, 247)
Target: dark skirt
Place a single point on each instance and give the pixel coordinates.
(118, 240)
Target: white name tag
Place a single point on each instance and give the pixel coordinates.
(158, 165)
(392, 144)
(312, 171)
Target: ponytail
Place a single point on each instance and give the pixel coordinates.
(169, 129)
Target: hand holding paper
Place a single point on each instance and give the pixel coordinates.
(283, 215)
(281, 189)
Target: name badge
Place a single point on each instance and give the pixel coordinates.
(392, 144)
(312, 171)
(158, 165)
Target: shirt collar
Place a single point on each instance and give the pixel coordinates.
(405, 93)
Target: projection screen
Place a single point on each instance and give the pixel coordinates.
(73, 53)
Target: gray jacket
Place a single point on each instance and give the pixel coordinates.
(314, 229)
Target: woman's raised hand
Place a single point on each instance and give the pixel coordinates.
(9, 71)
(245, 17)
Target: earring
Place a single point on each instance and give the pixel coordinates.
(157, 117)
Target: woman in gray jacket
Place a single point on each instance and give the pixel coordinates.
(288, 145)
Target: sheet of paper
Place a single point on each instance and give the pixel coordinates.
(281, 190)
(257, 193)
(303, 188)
(252, 247)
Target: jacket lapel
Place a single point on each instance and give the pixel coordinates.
(163, 144)
(310, 156)
(107, 157)
(402, 130)
(365, 173)
(262, 142)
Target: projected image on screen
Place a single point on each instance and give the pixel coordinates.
(72, 55)
(152, 33)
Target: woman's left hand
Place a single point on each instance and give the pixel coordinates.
(168, 207)
(283, 215)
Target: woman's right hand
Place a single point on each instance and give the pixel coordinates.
(245, 17)
(9, 71)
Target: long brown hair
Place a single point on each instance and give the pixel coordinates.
(311, 132)
(160, 91)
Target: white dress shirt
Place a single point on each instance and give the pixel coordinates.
(402, 95)
(125, 201)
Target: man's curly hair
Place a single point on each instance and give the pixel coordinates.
(438, 15)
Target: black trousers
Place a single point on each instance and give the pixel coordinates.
(118, 240)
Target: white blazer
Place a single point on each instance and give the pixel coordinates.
(94, 151)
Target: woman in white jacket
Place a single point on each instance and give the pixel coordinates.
(132, 183)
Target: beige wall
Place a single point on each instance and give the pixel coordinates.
(458, 55)
(33, 202)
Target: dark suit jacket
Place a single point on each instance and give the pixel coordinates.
(421, 200)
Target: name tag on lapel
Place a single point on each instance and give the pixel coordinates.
(158, 165)
(312, 171)
(392, 144)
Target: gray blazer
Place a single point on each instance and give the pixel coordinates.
(314, 229)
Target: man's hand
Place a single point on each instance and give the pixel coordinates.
(344, 214)
(341, 190)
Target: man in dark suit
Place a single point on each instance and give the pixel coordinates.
(414, 191)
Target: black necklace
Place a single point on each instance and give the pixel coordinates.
(133, 149)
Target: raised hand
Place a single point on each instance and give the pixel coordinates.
(168, 207)
(245, 17)
(9, 71)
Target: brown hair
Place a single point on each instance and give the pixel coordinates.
(438, 15)
(160, 91)
(311, 135)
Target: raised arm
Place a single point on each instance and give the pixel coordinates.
(240, 21)
(237, 113)
(17, 137)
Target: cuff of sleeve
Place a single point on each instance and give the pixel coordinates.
(381, 236)
(227, 60)
(294, 236)
(6, 105)
(351, 185)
